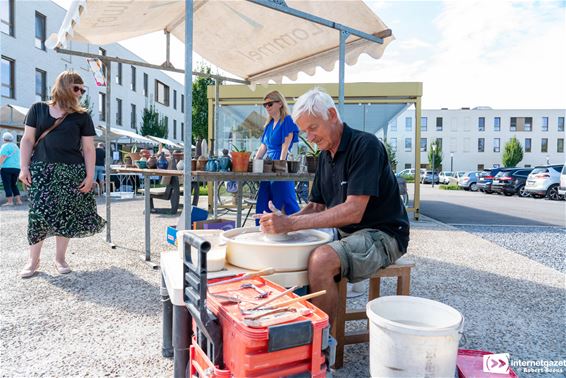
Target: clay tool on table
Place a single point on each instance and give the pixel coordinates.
(262, 293)
(277, 316)
(233, 298)
(294, 300)
(263, 272)
(262, 304)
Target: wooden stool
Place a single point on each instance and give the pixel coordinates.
(400, 269)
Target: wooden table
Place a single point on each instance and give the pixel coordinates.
(202, 176)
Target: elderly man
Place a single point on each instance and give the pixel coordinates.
(354, 191)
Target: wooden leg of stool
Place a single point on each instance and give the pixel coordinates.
(404, 283)
(339, 326)
(374, 288)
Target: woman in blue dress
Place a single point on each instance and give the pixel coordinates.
(279, 135)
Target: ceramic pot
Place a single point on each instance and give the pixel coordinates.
(152, 162)
(180, 165)
(193, 165)
(280, 166)
(145, 153)
(162, 162)
(240, 161)
(312, 164)
(201, 163)
(178, 155)
(267, 166)
(211, 165)
(224, 163)
(135, 156)
(128, 160)
(141, 164)
(293, 166)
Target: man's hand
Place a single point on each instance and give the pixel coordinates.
(273, 223)
(86, 185)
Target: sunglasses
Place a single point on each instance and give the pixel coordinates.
(269, 104)
(77, 89)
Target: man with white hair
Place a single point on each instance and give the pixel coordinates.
(10, 169)
(355, 191)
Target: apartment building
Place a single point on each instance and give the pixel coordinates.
(475, 138)
(29, 70)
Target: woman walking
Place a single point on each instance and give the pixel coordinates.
(58, 142)
(279, 135)
(10, 169)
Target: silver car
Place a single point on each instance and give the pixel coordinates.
(543, 181)
(469, 181)
(562, 187)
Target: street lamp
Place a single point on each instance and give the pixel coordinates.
(451, 161)
(547, 160)
(433, 155)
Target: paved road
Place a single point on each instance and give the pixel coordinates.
(462, 207)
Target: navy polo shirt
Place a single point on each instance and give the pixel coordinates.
(361, 167)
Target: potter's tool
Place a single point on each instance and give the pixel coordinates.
(294, 300)
(234, 298)
(262, 293)
(263, 272)
(260, 314)
(267, 320)
(262, 304)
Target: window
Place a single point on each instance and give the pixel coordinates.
(133, 117)
(560, 123)
(119, 74)
(174, 99)
(145, 84)
(544, 124)
(8, 77)
(7, 14)
(481, 124)
(118, 112)
(527, 144)
(496, 145)
(182, 131)
(407, 165)
(521, 124)
(393, 144)
(544, 145)
(40, 85)
(133, 85)
(481, 167)
(424, 124)
(182, 103)
(166, 122)
(40, 31)
(408, 123)
(174, 129)
(513, 125)
(528, 123)
(497, 124)
(102, 106)
(102, 52)
(481, 144)
(408, 144)
(438, 123)
(423, 144)
(560, 145)
(161, 93)
(393, 124)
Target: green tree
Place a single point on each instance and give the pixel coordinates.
(512, 153)
(435, 154)
(87, 104)
(152, 123)
(200, 104)
(391, 155)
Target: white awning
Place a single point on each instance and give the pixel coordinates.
(119, 133)
(250, 41)
(12, 116)
(164, 141)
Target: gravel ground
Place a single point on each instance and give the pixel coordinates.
(104, 319)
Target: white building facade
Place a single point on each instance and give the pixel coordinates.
(29, 69)
(474, 139)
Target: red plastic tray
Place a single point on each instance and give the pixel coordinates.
(470, 365)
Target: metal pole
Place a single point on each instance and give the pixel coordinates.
(108, 66)
(433, 156)
(215, 136)
(341, 63)
(187, 179)
(451, 161)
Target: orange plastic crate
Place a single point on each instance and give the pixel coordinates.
(201, 366)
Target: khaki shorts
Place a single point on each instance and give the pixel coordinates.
(364, 252)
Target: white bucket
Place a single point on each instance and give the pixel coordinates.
(413, 337)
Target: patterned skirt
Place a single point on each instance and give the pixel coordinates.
(57, 207)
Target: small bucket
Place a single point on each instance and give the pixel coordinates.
(413, 337)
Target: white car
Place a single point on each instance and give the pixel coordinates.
(562, 187)
(543, 181)
(445, 177)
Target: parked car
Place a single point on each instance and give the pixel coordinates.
(459, 174)
(485, 178)
(543, 181)
(409, 172)
(469, 181)
(428, 177)
(562, 187)
(510, 181)
(445, 177)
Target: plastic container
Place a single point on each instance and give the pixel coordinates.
(201, 366)
(413, 337)
(247, 350)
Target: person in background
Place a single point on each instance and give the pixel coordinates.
(10, 169)
(279, 135)
(99, 167)
(57, 164)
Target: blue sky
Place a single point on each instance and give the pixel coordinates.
(467, 53)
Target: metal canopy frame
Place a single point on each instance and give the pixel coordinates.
(278, 5)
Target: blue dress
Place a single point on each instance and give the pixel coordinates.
(282, 193)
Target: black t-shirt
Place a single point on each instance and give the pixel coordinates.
(63, 144)
(361, 167)
(100, 157)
